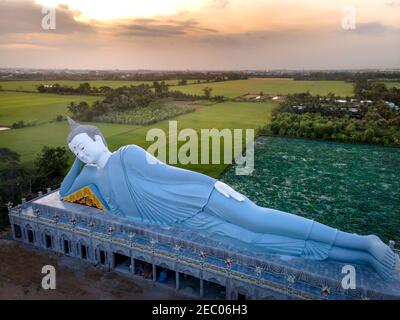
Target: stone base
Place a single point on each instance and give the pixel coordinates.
(205, 267)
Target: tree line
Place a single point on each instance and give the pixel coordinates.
(367, 89)
(18, 182)
(133, 97)
(321, 118)
(89, 75)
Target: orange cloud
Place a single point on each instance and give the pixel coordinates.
(200, 34)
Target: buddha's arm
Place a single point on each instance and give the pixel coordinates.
(75, 179)
(149, 167)
(154, 166)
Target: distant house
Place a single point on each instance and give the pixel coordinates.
(392, 105)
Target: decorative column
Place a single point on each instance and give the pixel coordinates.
(111, 263)
(132, 264)
(93, 250)
(154, 273)
(202, 256)
(74, 245)
(56, 242)
(131, 235)
(153, 243)
(19, 210)
(228, 289)
(201, 288)
(177, 280)
(36, 213)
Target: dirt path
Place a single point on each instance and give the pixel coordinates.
(190, 104)
(20, 278)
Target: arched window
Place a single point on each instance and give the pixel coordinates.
(30, 234)
(65, 244)
(101, 255)
(83, 249)
(48, 239)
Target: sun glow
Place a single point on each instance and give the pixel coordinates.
(122, 9)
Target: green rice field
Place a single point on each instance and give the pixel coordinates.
(29, 141)
(16, 106)
(32, 85)
(236, 88)
(392, 84)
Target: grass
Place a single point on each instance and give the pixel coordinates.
(231, 115)
(29, 141)
(391, 84)
(235, 88)
(143, 116)
(31, 85)
(16, 106)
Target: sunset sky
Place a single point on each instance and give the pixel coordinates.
(200, 34)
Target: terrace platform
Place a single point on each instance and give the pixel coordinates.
(200, 266)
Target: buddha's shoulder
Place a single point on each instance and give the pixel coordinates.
(89, 169)
(130, 151)
(130, 148)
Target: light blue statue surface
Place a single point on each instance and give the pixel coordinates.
(134, 184)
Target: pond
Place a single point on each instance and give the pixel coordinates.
(355, 188)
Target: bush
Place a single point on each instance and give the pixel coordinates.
(142, 116)
(21, 124)
(310, 125)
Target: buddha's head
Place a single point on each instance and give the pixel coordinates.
(86, 142)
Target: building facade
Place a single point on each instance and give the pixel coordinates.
(197, 268)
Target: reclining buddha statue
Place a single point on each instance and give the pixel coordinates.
(132, 183)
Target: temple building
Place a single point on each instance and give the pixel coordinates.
(182, 259)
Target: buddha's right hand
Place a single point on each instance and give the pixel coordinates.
(228, 192)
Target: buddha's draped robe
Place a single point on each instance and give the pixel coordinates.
(136, 185)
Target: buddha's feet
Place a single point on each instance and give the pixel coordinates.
(382, 253)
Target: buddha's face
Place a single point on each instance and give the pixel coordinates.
(86, 149)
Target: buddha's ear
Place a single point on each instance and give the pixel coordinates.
(98, 138)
